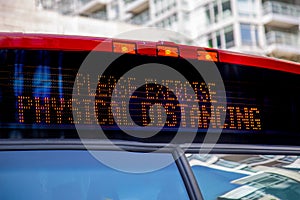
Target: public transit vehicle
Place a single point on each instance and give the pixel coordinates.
(111, 119)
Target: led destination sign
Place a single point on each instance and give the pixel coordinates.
(36, 93)
(56, 110)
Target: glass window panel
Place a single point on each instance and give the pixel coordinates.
(256, 36)
(229, 37)
(76, 175)
(246, 34)
(216, 12)
(246, 7)
(207, 14)
(276, 178)
(226, 8)
(218, 38)
(210, 43)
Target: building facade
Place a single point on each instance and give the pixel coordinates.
(253, 26)
(263, 27)
(28, 18)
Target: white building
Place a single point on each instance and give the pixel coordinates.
(253, 26)
(264, 27)
(28, 18)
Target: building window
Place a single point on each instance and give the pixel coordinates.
(128, 1)
(168, 21)
(207, 14)
(218, 39)
(229, 38)
(186, 16)
(256, 36)
(163, 6)
(210, 43)
(246, 8)
(216, 12)
(226, 8)
(249, 34)
(99, 14)
(246, 34)
(141, 18)
(223, 38)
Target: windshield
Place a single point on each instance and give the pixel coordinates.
(260, 105)
(61, 175)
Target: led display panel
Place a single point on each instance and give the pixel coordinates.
(36, 87)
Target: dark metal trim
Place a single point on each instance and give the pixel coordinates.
(241, 149)
(187, 175)
(77, 144)
(42, 144)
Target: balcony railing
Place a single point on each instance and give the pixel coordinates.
(99, 15)
(87, 1)
(141, 18)
(128, 1)
(277, 37)
(281, 9)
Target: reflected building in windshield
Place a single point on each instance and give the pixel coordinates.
(260, 177)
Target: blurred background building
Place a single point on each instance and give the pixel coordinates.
(263, 27)
(28, 17)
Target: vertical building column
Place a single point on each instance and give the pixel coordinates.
(236, 25)
(109, 10)
(261, 27)
(152, 11)
(122, 12)
(219, 7)
(178, 10)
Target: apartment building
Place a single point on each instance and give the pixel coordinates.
(263, 27)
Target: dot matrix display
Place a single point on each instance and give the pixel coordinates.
(36, 88)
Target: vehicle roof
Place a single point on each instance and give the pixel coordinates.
(86, 43)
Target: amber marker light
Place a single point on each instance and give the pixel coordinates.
(122, 47)
(207, 55)
(167, 51)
